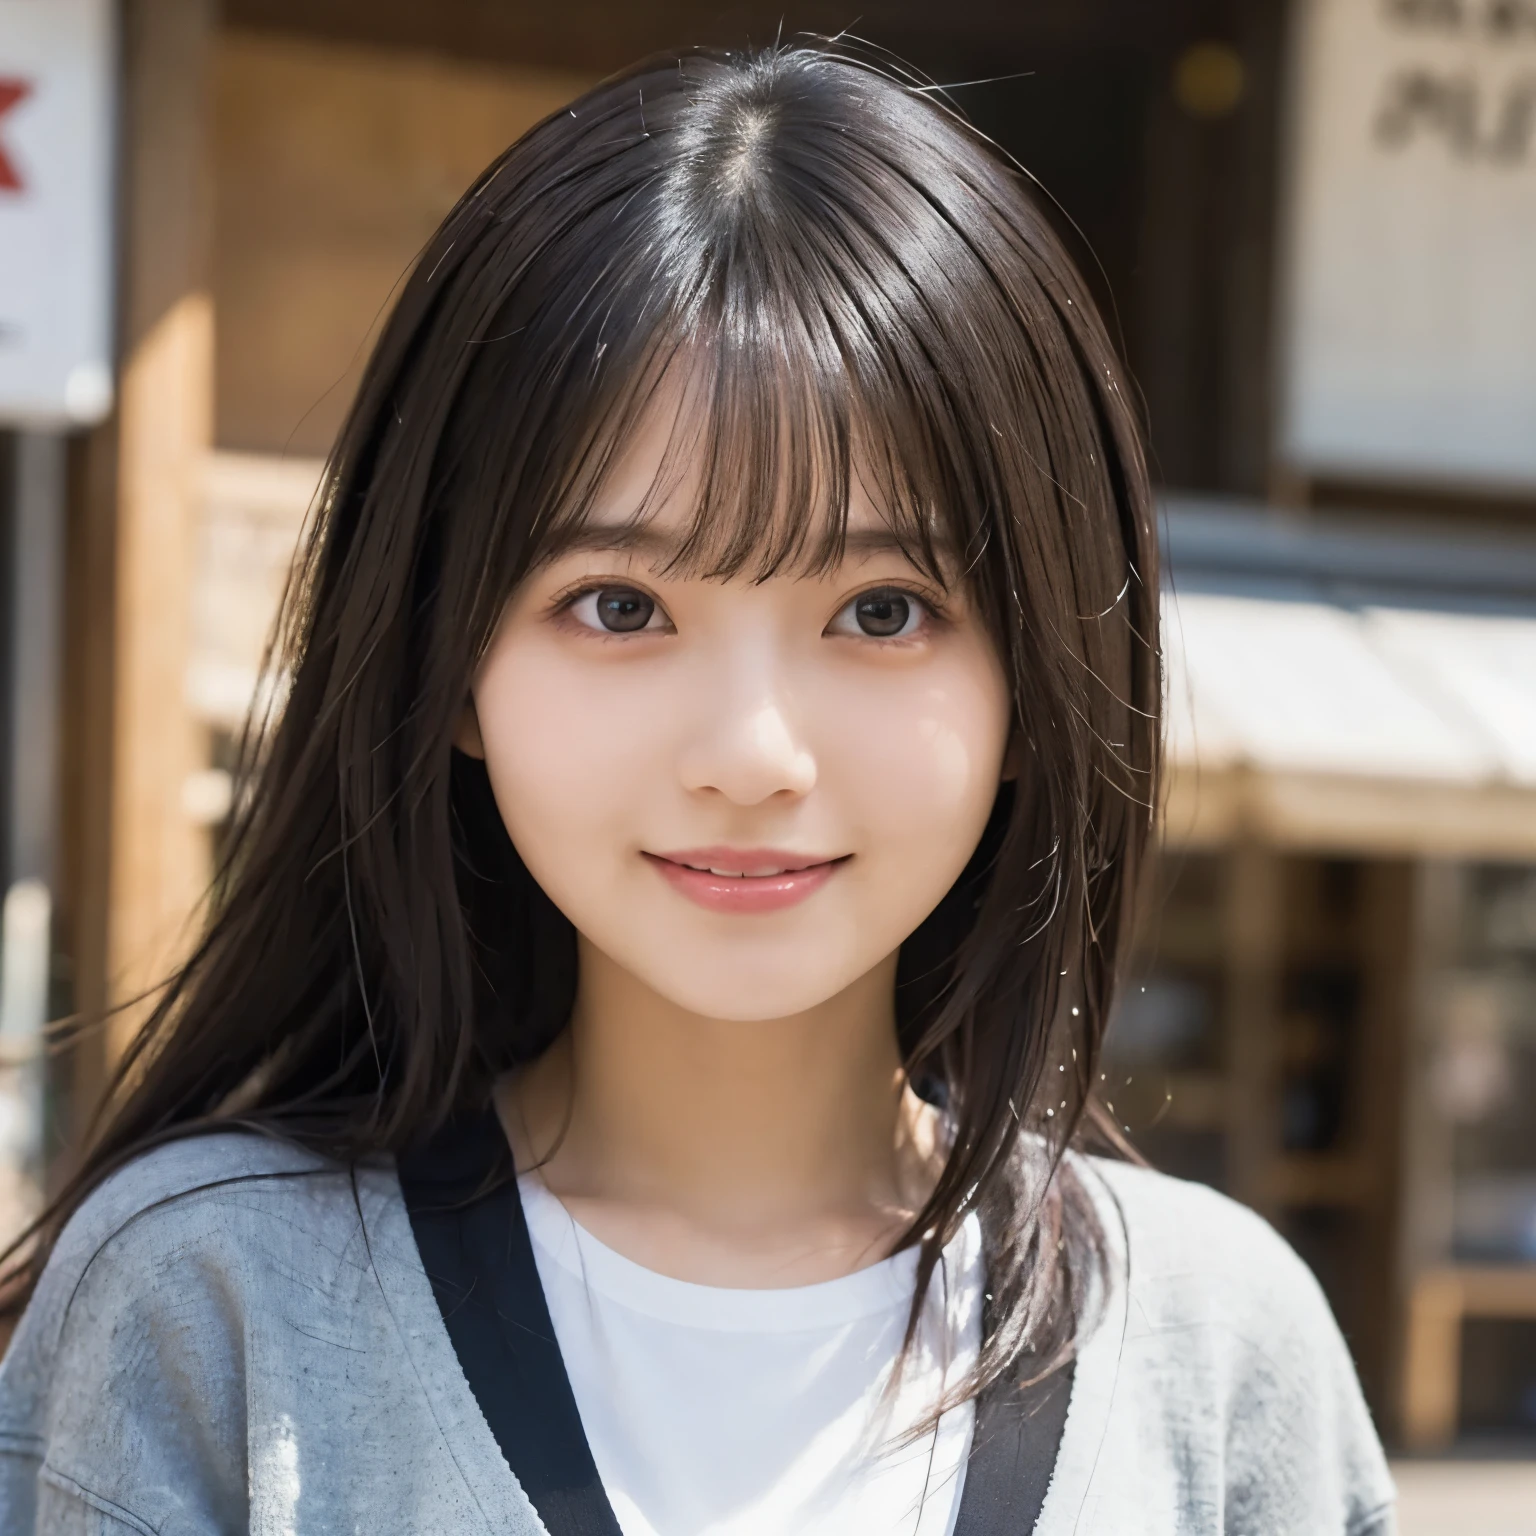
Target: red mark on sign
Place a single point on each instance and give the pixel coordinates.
(12, 92)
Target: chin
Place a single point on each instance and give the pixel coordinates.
(745, 992)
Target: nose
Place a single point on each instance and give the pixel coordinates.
(746, 747)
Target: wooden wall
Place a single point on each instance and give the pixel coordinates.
(333, 163)
(134, 867)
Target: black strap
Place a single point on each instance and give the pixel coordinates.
(478, 1256)
(469, 1226)
(1013, 1452)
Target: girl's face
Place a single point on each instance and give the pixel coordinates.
(745, 794)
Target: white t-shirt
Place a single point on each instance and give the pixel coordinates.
(762, 1412)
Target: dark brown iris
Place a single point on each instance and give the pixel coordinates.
(882, 614)
(623, 610)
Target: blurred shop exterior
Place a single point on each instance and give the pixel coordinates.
(1313, 219)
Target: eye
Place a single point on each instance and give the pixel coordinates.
(616, 610)
(883, 613)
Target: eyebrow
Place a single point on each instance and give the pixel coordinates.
(641, 538)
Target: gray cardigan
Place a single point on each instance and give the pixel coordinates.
(233, 1336)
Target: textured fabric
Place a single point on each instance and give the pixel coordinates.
(232, 1336)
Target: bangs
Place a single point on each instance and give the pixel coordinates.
(770, 436)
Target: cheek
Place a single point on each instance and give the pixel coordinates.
(927, 760)
(559, 751)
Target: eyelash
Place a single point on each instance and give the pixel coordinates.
(562, 603)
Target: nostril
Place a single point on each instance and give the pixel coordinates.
(750, 758)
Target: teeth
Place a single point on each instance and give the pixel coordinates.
(745, 874)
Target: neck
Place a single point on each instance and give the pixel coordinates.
(746, 1127)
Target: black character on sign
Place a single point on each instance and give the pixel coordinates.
(1420, 101)
(1511, 19)
(1501, 20)
(1472, 122)
(1425, 13)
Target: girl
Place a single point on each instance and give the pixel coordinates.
(637, 1075)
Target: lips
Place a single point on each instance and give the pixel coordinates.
(745, 880)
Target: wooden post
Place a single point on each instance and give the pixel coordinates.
(1431, 1380)
(1254, 944)
(138, 864)
(1441, 1301)
(1390, 892)
(1426, 1371)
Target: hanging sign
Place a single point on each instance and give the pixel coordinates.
(1410, 321)
(56, 258)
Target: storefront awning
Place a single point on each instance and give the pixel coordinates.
(1344, 687)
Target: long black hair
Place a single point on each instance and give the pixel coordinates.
(851, 282)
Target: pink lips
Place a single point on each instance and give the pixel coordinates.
(744, 879)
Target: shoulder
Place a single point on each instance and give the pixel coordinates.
(1192, 1250)
(196, 1268)
(1229, 1357)
(231, 1190)
(184, 1242)
(1200, 1265)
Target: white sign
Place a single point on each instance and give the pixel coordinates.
(1410, 346)
(56, 258)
